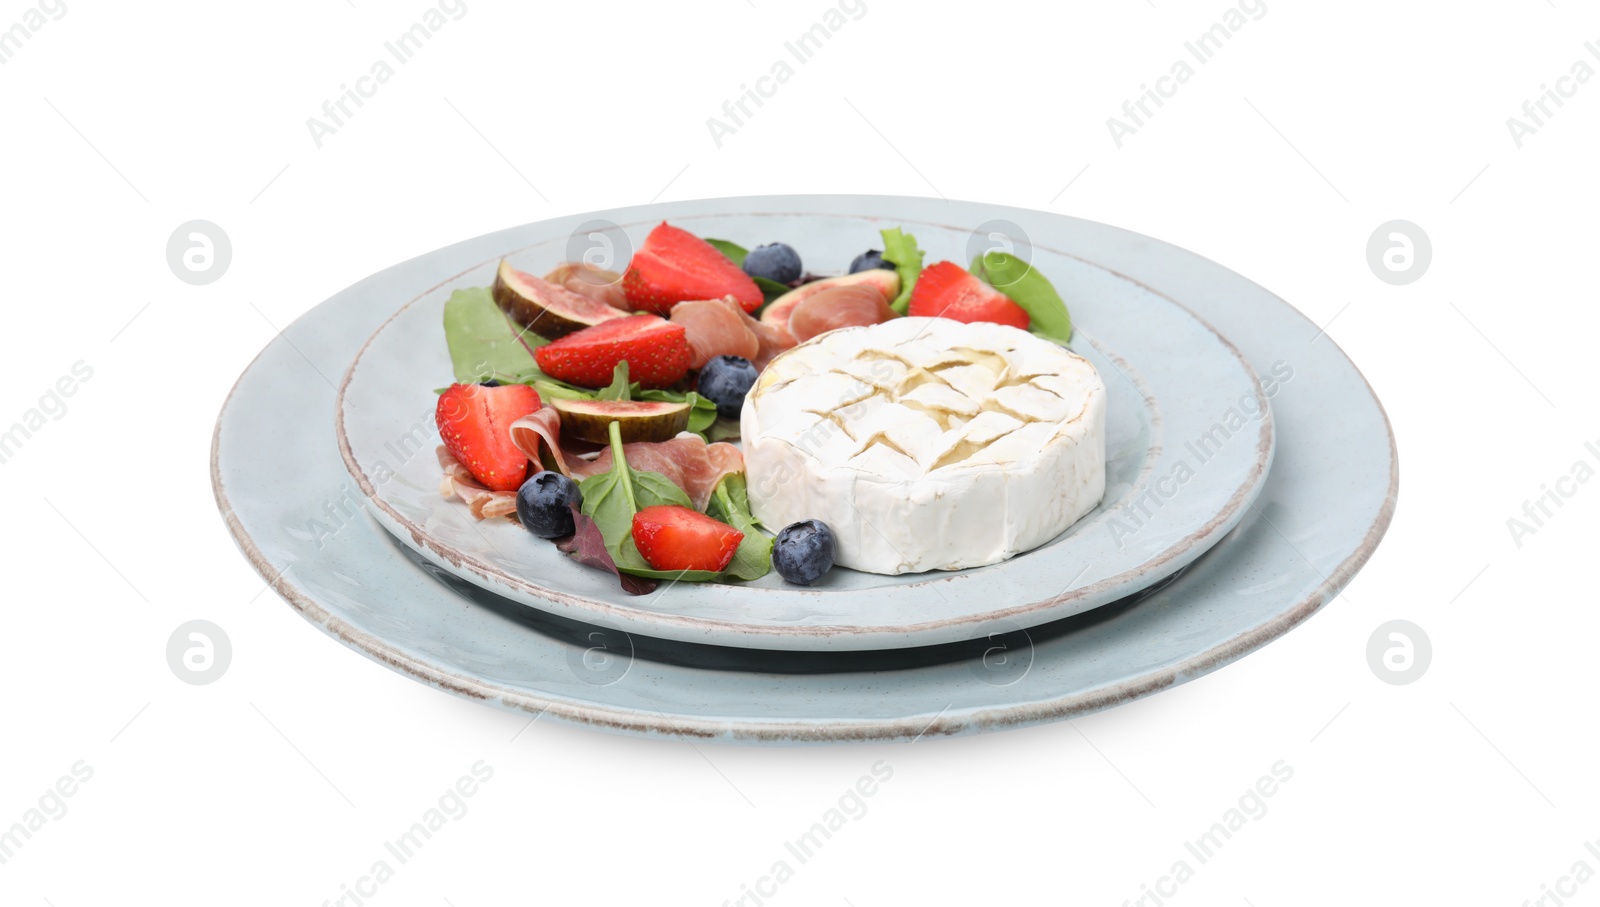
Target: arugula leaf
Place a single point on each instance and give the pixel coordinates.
(619, 389)
(483, 342)
(1019, 280)
(901, 248)
(734, 251)
(730, 503)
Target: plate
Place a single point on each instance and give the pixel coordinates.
(1189, 442)
(295, 513)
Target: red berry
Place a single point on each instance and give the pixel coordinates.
(475, 423)
(657, 352)
(946, 290)
(676, 538)
(674, 266)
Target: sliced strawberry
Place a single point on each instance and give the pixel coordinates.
(674, 265)
(946, 290)
(475, 423)
(657, 352)
(676, 538)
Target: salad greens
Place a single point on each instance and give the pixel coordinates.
(702, 412)
(1025, 286)
(611, 498)
(770, 289)
(901, 248)
(733, 250)
(483, 342)
(485, 345)
(730, 503)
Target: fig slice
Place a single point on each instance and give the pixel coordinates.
(545, 308)
(638, 420)
(777, 312)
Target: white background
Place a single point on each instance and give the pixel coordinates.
(279, 783)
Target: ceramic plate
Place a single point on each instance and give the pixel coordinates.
(1189, 442)
(294, 511)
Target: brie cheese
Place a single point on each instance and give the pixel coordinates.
(926, 443)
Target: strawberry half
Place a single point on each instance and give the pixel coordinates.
(676, 538)
(475, 423)
(656, 349)
(674, 266)
(946, 290)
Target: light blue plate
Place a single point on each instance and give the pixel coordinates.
(297, 515)
(1180, 472)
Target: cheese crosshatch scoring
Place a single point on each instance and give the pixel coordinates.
(927, 443)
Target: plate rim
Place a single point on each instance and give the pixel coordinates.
(773, 636)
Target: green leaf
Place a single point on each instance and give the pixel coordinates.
(901, 248)
(611, 498)
(549, 388)
(770, 289)
(730, 503)
(734, 251)
(619, 389)
(723, 430)
(483, 342)
(702, 412)
(1047, 313)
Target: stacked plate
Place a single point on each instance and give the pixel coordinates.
(1250, 473)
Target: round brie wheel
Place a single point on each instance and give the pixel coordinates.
(926, 443)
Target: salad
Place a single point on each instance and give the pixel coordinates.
(596, 407)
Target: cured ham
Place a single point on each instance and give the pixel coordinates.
(459, 483)
(687, 460)
(715, 328)
(721, 327)
(847, 306)
(596, 283)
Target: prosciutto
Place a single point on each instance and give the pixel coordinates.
(596, 283)
(687, 460)
(459, 483)
(853, 305)
(721, 327)
(715, 328)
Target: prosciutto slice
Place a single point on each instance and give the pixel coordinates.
(459, 483)
(687, 460)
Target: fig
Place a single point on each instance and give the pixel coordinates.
(777, 312)
(545, 308)
(638, 420)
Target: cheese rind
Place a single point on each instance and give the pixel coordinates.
(926, 443)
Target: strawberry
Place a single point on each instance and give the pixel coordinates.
(674, 265)
(475, 423)
(676, 538)
(946, 290)
(656, 349)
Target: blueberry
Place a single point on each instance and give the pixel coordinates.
(725, 380)
(776, 262)
(869, 260)
(545, 502)
(803, 552)
(490, 383)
